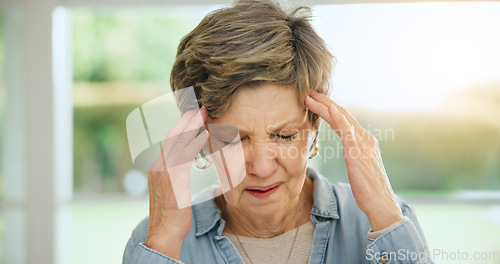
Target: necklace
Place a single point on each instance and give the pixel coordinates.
(246, 254)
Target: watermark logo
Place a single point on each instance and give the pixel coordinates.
(161, 135)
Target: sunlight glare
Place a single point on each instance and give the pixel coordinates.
(410, 57)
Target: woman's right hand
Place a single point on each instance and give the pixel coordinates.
(168, 180)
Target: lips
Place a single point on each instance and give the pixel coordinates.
(263, 192)
(263, 188)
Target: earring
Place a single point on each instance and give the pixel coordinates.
(201, 162)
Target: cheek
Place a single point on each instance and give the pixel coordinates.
(293, 156)
(294, 160)
(233, 196)
(230, 165)
(295, 184)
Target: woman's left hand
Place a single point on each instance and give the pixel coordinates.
(365, 170)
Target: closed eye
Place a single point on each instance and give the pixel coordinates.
(283, 138)
(233, 143)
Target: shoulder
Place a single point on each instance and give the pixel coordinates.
(138, 236)
(141, 231)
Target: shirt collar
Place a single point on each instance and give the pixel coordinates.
(325, 201)
(207, 215)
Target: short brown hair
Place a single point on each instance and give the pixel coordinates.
(252, 41)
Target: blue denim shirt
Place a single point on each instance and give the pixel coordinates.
(340, 234)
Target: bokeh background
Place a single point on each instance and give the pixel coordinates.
(423, 77)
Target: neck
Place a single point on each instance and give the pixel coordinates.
(296, 213)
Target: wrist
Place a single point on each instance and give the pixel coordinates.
(384, 217)
(169, 247)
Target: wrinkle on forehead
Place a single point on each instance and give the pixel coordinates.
(257, 109)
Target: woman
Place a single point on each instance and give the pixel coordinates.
(265, 72)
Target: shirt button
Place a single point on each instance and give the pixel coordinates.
(319, 218)
(383, 258)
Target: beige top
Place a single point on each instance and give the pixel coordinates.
(276, 249)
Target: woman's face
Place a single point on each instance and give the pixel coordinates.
(269, 157)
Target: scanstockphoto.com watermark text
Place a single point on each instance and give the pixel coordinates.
(331, 146)
(437, 255)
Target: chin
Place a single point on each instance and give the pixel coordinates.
(265, 209)
(270, 206)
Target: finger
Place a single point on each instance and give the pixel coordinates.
(318, 108)
(173, 135)
(192, 129)
(183, 147)
(184, 130)
(325, 100)
(190, 151)
(344, 128)
(199, 142)
(330, 114)
(198, 120)
(177, 184)
(179, 173)
(182, 123)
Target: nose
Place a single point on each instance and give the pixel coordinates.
(261, 160)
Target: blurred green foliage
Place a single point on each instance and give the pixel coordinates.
(125, 45)
(457, 147)
(429, 151)
(101, 155)
(109, 46)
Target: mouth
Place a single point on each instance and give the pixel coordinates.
(263, 192)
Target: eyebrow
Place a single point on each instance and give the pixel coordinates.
(229, 131)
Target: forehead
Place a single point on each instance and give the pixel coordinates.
(266, 105)
(266, 97)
